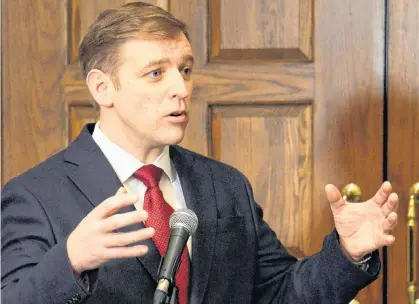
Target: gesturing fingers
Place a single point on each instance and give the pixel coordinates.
(94, 240)
(112, 205)
(334, 197)
(117, 221)
(126, 252)
(128, 238)
(382, 194)
(391, 205)
(386, 240)
(390, 222)
(121, 190)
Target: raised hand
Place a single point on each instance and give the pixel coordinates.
(94, 241)
(364, 227)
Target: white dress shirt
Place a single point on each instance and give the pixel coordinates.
(124, 164)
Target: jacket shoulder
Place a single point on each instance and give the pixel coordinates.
(218, 168)
(48, 170)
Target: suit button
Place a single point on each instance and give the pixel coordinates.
(74, 299)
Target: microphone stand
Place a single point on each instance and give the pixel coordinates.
(172, 294)
(174, 297)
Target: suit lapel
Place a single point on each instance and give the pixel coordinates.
(198, 189)
(91, 172)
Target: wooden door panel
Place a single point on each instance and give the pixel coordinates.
(243, 30)
(269, 82)
(403, 132)
(278, 32)
(271, 144)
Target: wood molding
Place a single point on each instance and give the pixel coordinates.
(303, 53)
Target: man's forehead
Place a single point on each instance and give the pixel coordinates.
(145, 50)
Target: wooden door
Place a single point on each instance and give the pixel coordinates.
(291, 92)
(403, 134)
(33, 57)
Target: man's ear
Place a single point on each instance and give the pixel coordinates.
(101, 87)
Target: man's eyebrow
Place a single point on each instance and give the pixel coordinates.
(163, 61)
(187, 57)
(152, 63)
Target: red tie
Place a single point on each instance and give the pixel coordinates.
(159, 212)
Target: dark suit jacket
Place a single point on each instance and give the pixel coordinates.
(236, 257)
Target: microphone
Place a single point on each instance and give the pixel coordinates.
(183, 224)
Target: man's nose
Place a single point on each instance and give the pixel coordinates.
(179, 90)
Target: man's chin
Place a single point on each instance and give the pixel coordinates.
(173, 139)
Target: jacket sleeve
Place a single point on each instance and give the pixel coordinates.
(34, 267)
(326, 277)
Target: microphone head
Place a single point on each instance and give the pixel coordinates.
(185, 218)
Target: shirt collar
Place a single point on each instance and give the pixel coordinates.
(125, 164)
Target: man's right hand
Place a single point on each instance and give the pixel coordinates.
(94, 241)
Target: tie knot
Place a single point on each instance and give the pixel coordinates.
(149, 175)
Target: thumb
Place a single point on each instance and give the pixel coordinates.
(333, 196)
(121, 190)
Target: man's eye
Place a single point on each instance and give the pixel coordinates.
(187, 71)
(154, 74)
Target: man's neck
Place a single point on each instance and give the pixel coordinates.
(145, 153)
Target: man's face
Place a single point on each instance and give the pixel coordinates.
(155, 87)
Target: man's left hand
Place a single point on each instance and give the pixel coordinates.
(364, 227)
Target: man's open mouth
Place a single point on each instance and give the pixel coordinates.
(178, 113)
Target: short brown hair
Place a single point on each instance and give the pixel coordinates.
(99, 48)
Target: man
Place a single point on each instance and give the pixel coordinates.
(68, 238)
